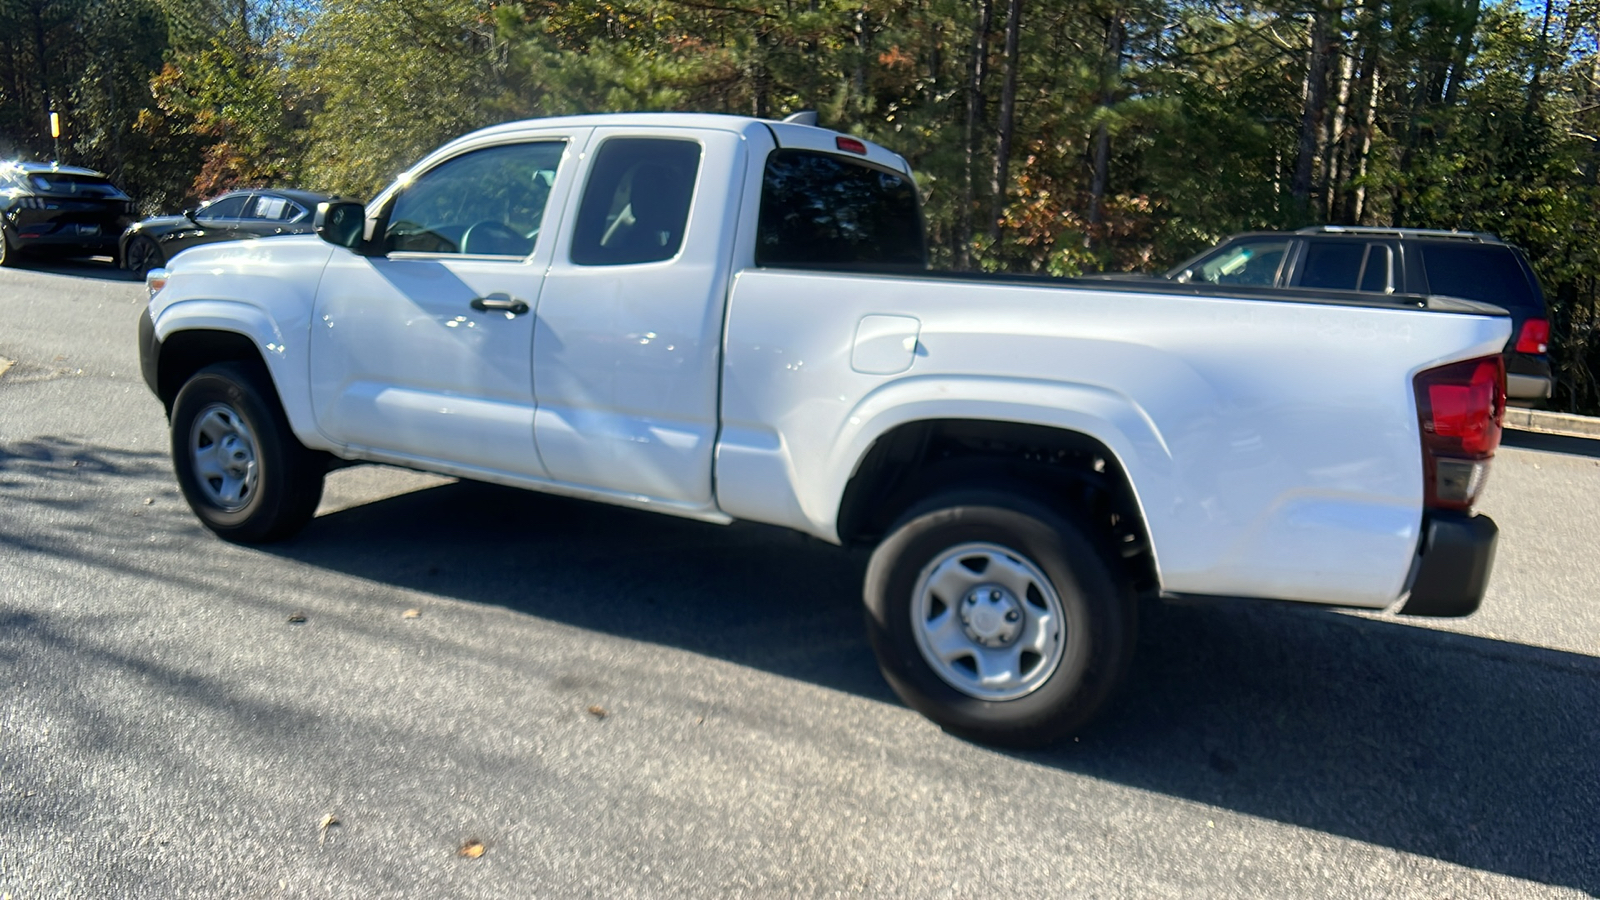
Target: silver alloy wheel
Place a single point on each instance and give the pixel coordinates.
(224, 455)
(988, 621)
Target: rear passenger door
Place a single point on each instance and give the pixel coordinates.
(628, 340)
(1343, 264)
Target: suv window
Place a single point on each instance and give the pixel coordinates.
(228, 206)
(636, 204)
(487, 202)
(1490, 273)
(822, 211)
(68, 184)
(1344, 265)
(1254, 262)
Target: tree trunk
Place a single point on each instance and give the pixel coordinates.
(1316, 95)
(1111, 73)
(1458, 63)
(1334, 138)
(41, 51)
(976, 75)
(1005, 127)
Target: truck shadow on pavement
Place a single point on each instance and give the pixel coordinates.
(1477, 752)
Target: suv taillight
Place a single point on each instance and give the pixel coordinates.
(1534, 337)
(1460, 407)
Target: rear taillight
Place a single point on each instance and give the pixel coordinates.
(1534, 337)
(1460, 408)
(850, 145)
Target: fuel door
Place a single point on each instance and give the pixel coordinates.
(885, 345)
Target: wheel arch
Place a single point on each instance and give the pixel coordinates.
(1073, 471)
(187, 351)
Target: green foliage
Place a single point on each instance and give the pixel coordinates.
(1143, 130)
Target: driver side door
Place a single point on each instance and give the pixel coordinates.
(422, 348)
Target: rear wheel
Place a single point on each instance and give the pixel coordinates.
(8, 254)
(998, 618)
(239, 465)
(143, 254)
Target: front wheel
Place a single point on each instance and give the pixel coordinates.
(999, 619)
(240, 467)
(142, 255)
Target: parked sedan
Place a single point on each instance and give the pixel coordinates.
(229, 217)
(50, 208)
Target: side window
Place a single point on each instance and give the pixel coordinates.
(1342, 265)
(1377, 272)
(279, 209)
(1332, 265)
(228, 206)
(824, 211)
(1245, 262)
(488, 202)
(636, 204)
(1487, 272)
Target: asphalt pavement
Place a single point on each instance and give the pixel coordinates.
(608, 703)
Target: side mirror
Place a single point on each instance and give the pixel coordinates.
(189, 214)
(341, 223)
(1184, 277)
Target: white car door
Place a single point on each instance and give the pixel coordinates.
(627, 353)
(422, 351)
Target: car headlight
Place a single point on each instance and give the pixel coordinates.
(154, 281)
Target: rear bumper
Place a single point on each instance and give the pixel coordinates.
(1527, 376)
(1453, 564)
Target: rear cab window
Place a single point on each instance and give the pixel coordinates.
(821, 211)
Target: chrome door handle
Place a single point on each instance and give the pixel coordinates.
(500, 303)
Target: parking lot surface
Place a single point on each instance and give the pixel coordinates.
(608, 703)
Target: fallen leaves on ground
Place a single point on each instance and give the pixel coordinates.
(297, 618)
(599, 712)
(471, 849)
(411, 614)
(328, 821)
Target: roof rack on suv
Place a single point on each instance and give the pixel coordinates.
(1479, 236)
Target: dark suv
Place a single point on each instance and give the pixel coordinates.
(62, 209)
(1473, 266)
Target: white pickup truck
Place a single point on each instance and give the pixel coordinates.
(728, 318)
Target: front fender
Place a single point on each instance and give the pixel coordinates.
(262, 290)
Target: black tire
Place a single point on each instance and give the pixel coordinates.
(8, 253)
(1096, 603)
(238, 463)
(142, 255)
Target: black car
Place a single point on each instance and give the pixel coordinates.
(49, 208)
(1470, 265)
(229, 217)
